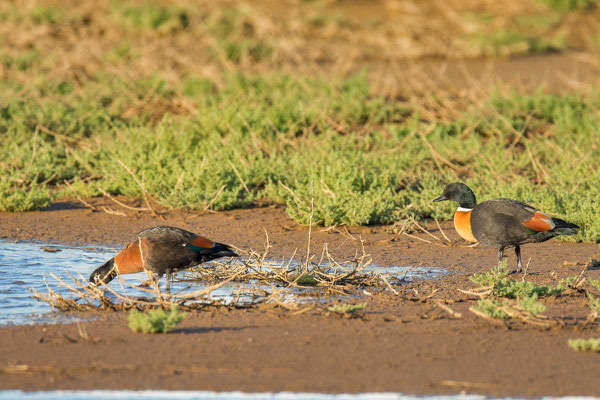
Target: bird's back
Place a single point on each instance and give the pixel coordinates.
(170, 234)
(169, 248)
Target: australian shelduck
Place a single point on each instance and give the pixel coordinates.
(162, 250)
(502, 223)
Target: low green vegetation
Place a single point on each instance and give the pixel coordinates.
(491, 308)
(510, 42)
(15, 200)
(585, 344)
(521, 33)
(570, 5)
(307, 280)
(347, 308)
(516, 289)
(502, 286)
(189, 106)
(366, 159)
(492, 277)
(594, 304)
(595, 283)
(48, 15)
(504, 309)
(151, 15)
(531, 305)
(155, 321)
(504, 298)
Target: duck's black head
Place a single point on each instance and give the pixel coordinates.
(104, 273)
(460, 193)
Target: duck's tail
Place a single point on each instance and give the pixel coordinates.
(564, 228)
(104, 273)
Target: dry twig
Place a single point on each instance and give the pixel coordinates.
(215, 198)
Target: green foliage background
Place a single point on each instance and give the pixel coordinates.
(365, 159)
(252, 131)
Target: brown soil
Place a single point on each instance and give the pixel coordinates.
(553, 73)
(403, 343)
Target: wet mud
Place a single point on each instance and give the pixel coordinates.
(403, 342)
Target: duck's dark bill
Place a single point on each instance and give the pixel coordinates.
(441, 198)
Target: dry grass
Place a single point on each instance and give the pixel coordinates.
(324, 272)
(175, 38)
(86, 297)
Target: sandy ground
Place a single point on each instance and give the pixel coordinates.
(402, 343)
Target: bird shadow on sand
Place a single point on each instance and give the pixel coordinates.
(213, 329)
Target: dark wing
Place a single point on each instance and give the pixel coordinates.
(167, 247)
(530, 217)
(499, 222)
(519, 210)
(168, 233)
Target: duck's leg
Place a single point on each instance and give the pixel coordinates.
(500, 256)
(168, 278)
(519, 263)
(152, 278)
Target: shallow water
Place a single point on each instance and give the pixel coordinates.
(24, 265)
(206, 395)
